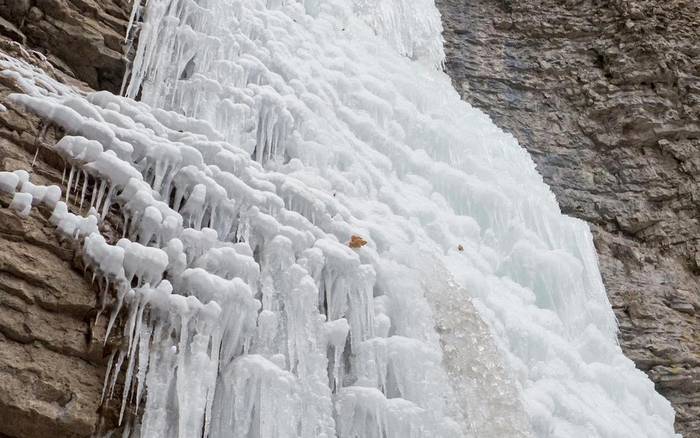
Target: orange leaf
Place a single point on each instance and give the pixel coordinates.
(357, 242)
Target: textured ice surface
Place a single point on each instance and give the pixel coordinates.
(268, 134)
(8, 182)
(22, 203)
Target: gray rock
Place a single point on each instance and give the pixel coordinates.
(606, 97)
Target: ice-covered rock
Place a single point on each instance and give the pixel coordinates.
(22, 203)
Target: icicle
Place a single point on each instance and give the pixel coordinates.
(337, 333)
(70, 180)
(115, 373)
(107, 202)
(103, 300)
(143, 360)
(82, 192)
(100, 195)
(36, 154)
(126, 223)
(121, 293)
(76, 185)
(290, 111)
(133, 342)
(93, 198)
(110, 363)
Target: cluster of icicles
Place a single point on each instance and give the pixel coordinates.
(238, 307)
(270, 132)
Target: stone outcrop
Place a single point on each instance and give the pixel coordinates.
(82, 38)
(51, 367)
(52, 359)
(606, 97)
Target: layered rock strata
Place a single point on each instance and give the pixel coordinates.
(52, 358)
(605, 95)
(82, 38)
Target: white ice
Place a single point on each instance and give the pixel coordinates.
(22, 203)
(270, 137)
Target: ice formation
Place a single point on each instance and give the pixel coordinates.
(268, 134)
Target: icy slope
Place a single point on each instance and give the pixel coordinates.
(274, 139)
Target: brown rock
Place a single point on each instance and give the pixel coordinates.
(51, 365)
(83, 38)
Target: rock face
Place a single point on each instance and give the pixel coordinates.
(51, 354)
(606, 97)
(83, 38)
(52, 362)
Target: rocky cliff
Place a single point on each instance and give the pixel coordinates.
(50, 365)
(52, 361)
(82, 38)
(606, 97)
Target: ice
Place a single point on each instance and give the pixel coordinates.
(413, 28)
(106, 259)
(399, 367)
(366, 412)
(319, 238)
(193, 324)
(258, 399)
(229, 263)
(198, 242)
(238, 304)
(336, 334)
(8, 182)
(177, 259)
(135, 199)
(22, 203)
(74, 226)
(143, 263)
(22, 175)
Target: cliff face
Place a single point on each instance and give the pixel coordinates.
(50, 368)
(82, 38)
(606, 97)
(52, 362)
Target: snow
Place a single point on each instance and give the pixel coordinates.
(270, 135)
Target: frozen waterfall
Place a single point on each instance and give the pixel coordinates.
(300, 230)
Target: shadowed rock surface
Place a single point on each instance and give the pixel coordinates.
(606, 97)
(83, 38)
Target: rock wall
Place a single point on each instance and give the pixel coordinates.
(606, 97)
(50, 366)
(52, 359)
(82, 38)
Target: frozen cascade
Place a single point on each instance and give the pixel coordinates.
(273, 135)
